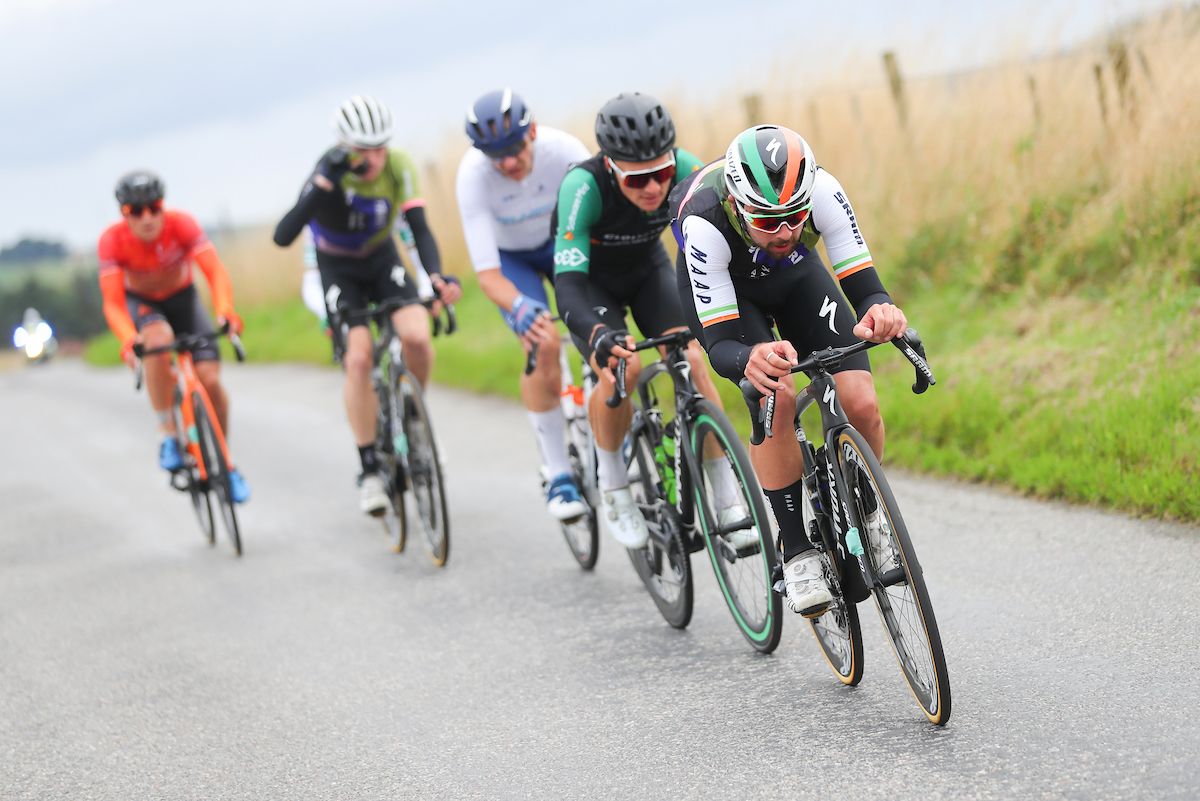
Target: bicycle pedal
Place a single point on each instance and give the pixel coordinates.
(726, 550)
(893, 577)
(779, 587)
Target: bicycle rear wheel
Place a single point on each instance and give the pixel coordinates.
(838, 631)
(217, 469)
(900, 593)
(663, 564)
(425, 470)
(391, 444)
(582, 533)
(729, 500)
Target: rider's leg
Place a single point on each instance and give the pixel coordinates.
(209, 373)
(412, 326)
(357, 392)
(856, 394)
(160, 379)
(609, 425)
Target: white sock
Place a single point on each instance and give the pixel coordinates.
(551, 431)
(724, 483)
(610, 470)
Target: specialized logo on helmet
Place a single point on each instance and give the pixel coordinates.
(773, 148)
(571, 257)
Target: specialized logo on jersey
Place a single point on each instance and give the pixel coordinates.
(571, 257)
(828, 307)
(399, 277)
(600, 310)
(773, 148)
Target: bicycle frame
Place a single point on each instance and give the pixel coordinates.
(187, 386)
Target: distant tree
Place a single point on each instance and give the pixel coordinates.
(74, 310)
(29, 250)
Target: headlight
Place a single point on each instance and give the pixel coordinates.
(44, 333)
(20, 336)
(33, 349)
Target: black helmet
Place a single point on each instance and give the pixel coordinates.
(139, 186)
(634, 127)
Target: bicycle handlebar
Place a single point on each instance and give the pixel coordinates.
(380, 311)
(679, 338)
(188, 342)
(762, 417)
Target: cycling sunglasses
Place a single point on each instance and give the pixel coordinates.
(638, 179)
(138, 209)
(770, 222)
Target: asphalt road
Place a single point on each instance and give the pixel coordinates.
(136, 662)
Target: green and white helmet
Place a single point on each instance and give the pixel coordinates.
(770, 167)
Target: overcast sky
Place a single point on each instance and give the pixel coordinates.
(230, 100)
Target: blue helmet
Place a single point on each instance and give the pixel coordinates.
(498, 122)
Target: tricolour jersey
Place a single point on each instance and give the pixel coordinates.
(358, 215)
(716, 249)
(499, 213)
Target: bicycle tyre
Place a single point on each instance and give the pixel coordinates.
(196, 488)
(666, 574)
(391, 466)
(583, 533)
(745, 579)
(425, 471)
(216, 468)
(904, 606)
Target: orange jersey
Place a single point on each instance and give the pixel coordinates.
(156, 270)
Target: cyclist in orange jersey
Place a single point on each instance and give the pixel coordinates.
(150, 299)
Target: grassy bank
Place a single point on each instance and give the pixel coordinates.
(1039, 223)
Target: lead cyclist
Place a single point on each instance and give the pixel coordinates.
(748, 227)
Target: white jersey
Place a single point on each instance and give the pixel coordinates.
(501, 214)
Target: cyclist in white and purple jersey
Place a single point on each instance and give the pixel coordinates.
(507, 187)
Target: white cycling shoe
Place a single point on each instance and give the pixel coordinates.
(372, 496)
(805, 587)
(622, 519)
(744, 537)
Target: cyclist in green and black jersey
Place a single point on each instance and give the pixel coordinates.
(609, 256)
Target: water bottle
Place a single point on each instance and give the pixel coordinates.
(664, 456)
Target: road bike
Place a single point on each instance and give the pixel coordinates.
(206, 458)
(405, 447)
(852, 518)
(693, 483)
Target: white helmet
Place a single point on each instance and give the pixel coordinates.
(770, 167)
(363, 121)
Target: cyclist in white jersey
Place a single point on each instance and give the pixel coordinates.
(507, 186)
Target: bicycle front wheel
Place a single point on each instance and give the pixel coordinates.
(197, 489)
(900, 593)
(390, 446)
(737, 531)
(217, 468)
(425, 471)
(663, 564)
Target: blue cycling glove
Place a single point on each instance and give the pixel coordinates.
(525, 311)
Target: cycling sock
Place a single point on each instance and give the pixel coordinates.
(366, 454)
(724, 484)
(551, 431)
(785, 503)
(610, 469)
(165, 424)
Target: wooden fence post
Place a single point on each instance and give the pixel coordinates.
(1037, 106)
(1118, 54)
(753, 107)
(896, 82)
(1098, 72)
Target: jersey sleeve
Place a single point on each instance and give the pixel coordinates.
(850, 258)
(707, 256)
(477, 222)
(686, 163)
(112, 289)
(579, 208)
(409, 187)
